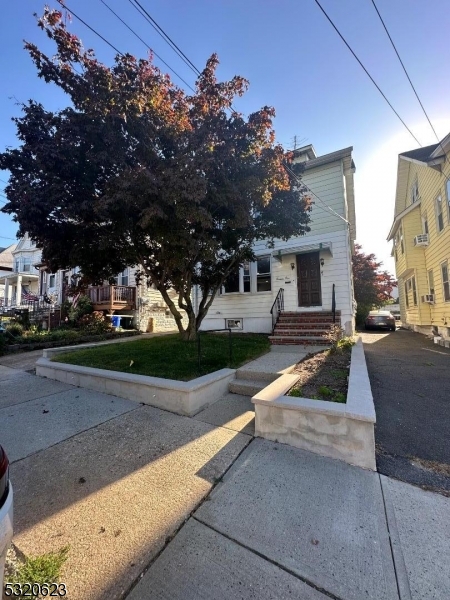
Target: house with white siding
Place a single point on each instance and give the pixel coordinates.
(306, 277)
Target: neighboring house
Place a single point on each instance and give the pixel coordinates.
(25, 282)
(421, 238)
(306, 268)
(6, 266)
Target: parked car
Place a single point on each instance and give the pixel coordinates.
(380, 319)
(6, 512)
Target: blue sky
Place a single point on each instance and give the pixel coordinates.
(294, 61)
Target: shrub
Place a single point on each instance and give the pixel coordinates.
(94, 323)
(84, 307)
(296, 392)
(15, 329)
(345, 343)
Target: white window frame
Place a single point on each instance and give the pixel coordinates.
(425, 228)
(269, 273)
(438, 205)
(447, 189)
(414, 289)
(430, 276)
(414, 193)
(51, 275)
(249, 272)
(445, 281)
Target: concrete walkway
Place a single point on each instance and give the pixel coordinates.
(155, 505)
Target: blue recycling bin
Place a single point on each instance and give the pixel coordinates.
(115, 320)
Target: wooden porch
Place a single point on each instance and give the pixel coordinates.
(113, 297)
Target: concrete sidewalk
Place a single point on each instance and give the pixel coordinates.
(138, 496)
(285, 523)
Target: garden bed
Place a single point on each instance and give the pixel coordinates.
(335, 429)
(323, 376)
(140, 370)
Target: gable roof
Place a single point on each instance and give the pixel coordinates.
(420, 154)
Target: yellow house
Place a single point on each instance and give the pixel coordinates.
(421, 238)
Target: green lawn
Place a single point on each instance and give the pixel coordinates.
(169, 357)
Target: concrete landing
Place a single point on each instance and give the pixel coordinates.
(199, 563)
(271, 365)
(319, 518)
(233, 411)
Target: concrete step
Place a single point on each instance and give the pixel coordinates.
(302, 332)
(250, 375)
(299, 340)
(246, 387)
(302, 325)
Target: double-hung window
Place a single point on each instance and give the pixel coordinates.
(415, 191)
(431, 281)
(445, 281)
(402, 246)
(263, 278)
(414, 290)
(406, 295)
(250, 278)
(447, 188)
(439, 214)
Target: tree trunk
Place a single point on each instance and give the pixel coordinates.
(190, 333)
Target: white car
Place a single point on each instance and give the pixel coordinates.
(6, 512)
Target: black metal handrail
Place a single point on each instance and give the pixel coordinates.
(199, 334)
(277, 307)
(333, 303)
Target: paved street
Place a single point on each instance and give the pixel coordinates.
(157, 506)
(410, 379)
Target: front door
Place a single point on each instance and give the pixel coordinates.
(308, 279)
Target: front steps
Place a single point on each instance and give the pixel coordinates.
(303, 329)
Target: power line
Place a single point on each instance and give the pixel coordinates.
(8, 238)
(301, 182)
(147, 46)
(409, 79)
(365, 70)
(89, 27)
(404, 69)
(164, 35)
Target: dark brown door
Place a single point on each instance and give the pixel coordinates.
(308, 279)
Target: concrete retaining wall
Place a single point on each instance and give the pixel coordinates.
(343, 431)
(181, 397)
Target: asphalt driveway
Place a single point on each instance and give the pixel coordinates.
(410, 378)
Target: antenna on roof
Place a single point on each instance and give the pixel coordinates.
(297, 142)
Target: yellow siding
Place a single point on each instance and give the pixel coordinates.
(432, 183)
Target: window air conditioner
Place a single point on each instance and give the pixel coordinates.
(428, 298)
(421, 240)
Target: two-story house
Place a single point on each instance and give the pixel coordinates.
(23, 281)
(421, 238)
(311, 274)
